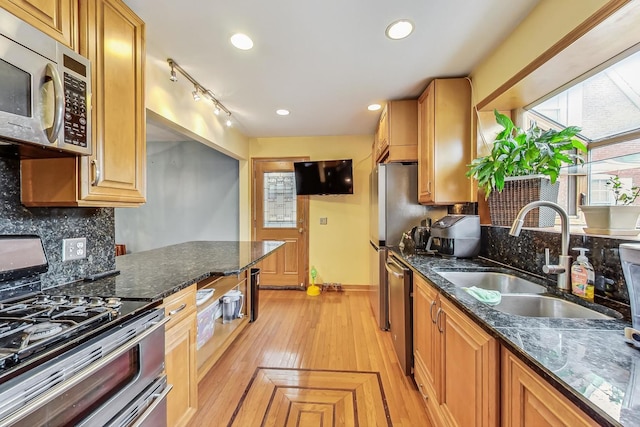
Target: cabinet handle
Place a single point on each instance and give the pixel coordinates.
(96, 173)
(177, 310)
(425, 396)
(433, 304)
(438, 317)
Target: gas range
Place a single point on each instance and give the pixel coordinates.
(69, 359)
(33, 325)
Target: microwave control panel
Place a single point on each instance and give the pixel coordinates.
(75, 111)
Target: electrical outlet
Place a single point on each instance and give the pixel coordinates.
(74, 248)
(323, 221)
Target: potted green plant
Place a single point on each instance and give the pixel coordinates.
(620, 218)
(523, 166)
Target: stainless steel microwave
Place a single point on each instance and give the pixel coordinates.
(45, 92)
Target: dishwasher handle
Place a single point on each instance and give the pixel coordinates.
(394, 268)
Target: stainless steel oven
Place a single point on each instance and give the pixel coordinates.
(75, 359)
(114, 379)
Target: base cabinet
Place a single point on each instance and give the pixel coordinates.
(180, 356)
(456, 363)
(528, 401)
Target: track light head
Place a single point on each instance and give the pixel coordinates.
(228, 123)
(216, 109)
(196, 94)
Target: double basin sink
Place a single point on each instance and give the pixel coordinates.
(520, 296)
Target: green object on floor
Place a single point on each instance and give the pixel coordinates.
(484, 295)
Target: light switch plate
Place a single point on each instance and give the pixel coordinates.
(74, 248)
(323, 221)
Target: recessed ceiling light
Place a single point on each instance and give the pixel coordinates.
(399, 29)
(241, 41)
(374, 107)
(282, 112)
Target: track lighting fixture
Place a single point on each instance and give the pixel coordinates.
(173, 76)
(199, 91)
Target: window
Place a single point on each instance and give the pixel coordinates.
(606, 105)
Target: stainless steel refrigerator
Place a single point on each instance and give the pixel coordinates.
(394, 209)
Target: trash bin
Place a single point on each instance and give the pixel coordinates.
(255, 288)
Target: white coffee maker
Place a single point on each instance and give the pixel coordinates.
(630, 259)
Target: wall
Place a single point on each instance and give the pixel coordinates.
(171, 104)
(547, 23)
(53, 225)
(338, 250)
(192, 194)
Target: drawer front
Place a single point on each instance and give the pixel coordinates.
(180, 305)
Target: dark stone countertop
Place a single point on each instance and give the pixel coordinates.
(587, 360)
(158, 273)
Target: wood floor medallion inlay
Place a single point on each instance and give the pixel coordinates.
(312, 398)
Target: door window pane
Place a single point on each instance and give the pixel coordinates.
(279, 200)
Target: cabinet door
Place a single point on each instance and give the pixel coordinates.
(469, 361)
(425, 339)
(527, 400)
(425, 305)
(426, 125)
(180, 365)
(112, 38)
(56, 18)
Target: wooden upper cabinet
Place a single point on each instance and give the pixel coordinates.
(58, 18)
(112, 37)
(397, 132)
(528, 400)
(444, 143)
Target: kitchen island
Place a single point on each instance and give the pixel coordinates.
(585, 360)
(158, 273)
(195, 336)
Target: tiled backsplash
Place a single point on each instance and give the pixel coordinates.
(55, 224)
(526, 252)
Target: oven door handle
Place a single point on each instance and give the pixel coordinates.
(82, 375)
(158, 400)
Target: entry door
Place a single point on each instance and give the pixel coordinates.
(278, 214)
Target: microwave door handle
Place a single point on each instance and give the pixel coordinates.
(58, 107)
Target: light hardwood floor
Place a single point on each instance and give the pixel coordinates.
(335, 330)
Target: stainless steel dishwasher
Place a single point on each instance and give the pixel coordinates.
(400, 311)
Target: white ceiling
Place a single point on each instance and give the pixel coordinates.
(325, 61)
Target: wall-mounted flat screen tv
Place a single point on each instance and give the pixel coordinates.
(323, 177)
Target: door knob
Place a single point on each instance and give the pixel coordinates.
(301, 230)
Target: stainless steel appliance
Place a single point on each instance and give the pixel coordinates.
(630, 260)
(45, 92)
(455, 236)
(74, 360)
(401, 311)
(394, 209)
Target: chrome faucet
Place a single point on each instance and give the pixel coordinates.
(563, 267)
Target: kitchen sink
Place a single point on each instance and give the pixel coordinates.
(545, 306)
(494, 281)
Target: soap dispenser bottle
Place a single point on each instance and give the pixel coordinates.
(582, 276)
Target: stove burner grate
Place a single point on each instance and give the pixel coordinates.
(43, 330)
